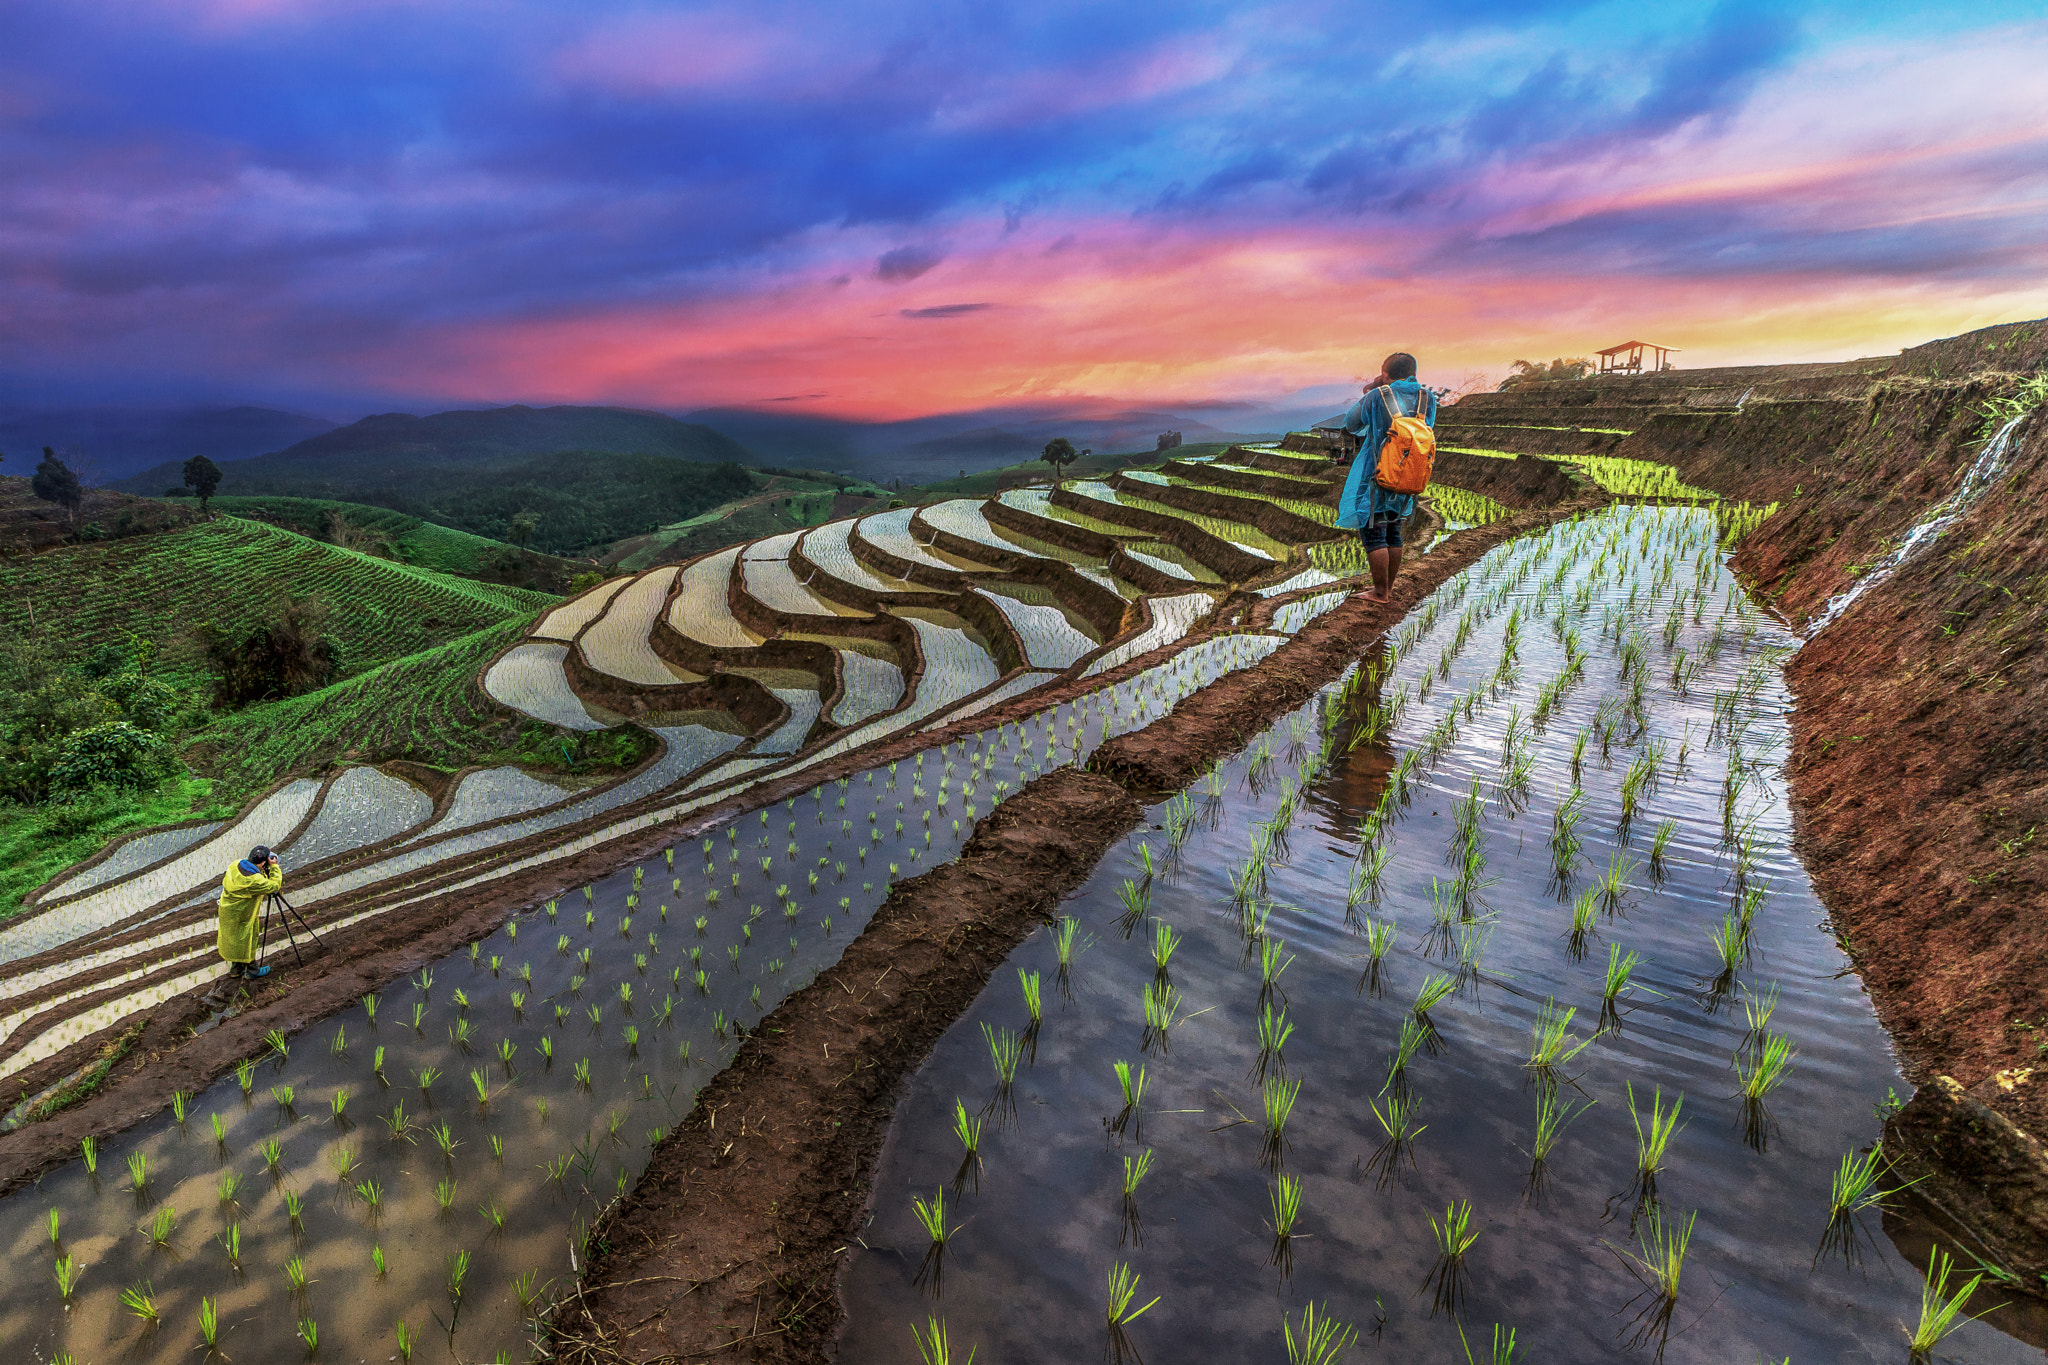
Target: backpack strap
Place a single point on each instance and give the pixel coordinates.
(1393, 405)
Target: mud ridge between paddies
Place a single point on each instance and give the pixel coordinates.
(729, 1245)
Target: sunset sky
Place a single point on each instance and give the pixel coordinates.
(891, 209)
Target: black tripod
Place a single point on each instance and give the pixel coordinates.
(281, 911)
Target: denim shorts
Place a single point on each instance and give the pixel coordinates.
(1382, 532)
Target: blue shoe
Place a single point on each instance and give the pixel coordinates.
(255, 973)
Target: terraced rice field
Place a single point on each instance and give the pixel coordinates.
(102, 946)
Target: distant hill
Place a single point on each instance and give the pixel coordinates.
(591, 476)
(407, 539)
(120, 441)
(926, 449)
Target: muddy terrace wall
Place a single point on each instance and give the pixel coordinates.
(1920, 760)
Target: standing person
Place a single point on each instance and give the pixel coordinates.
(241, 899)
(1376, 512)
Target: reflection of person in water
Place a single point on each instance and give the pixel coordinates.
(241, 903)
(1374, 512)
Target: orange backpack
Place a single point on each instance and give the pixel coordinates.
(1410, 447)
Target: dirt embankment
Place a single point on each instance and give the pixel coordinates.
(729, 1245)
(1919, 764)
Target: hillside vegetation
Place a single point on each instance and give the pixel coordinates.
(407, 539)
(780, 500)
(106, 675)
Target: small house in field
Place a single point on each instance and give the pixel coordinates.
(1628, 357)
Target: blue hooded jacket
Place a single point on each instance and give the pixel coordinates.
(1363, 497)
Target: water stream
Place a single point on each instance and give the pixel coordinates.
(1681, 672)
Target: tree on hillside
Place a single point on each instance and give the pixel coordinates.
(290, 653)
(1059, 453)
(202, 476)
(1168, 440)
(55, 481)
(521, 528)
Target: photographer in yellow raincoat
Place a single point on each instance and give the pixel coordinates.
(241, 902)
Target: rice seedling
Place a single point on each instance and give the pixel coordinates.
(1760, 1070)
(1368, 875)
(1285, 1198)
(1005, 1050)
(1130, 1117)
(294, 1208)
(1164, 942)
(399, 1124)
(179, 1099)
(372, 1195)
(1454, 1237)
(89, 1150)
(1471, 938)
(1551, 1120)
(1123, 1291)
(967, 1127)
(1658, 1263)
(138, 1171)
(343, 1160)
(1276, 1104)
(1436, 988)
(1614, 883)
(68, 1271)
(140, 1301)
(1940, 1311)
(427, 1075)
(404, 1334)
(295, 1274)
(1551, 1046)
(1319, 1340)
(932, 1218)
(458, 1272)
(276, 1040)
(226, 1186)
(493, 1214)
(1616, 983)
(1660, 845)
(1274, 1030)
(161, 1225)
(273, 1152)
(1135, 1169)
(1162, 1011)
(1379, 937)
(1652, 1140)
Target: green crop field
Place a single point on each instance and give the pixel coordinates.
(230, 574)
(426, 707)
(410, 539)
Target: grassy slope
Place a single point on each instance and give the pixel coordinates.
(228, 573)
(36, 844)
(420, 543)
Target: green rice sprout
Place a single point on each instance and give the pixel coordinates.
(1551, 1046)
(309, 1332)
(140, 1300)
(1164, 942)
(284, 1095)
(1436, 988)
(427, 1075)
(1162, 1011)
(338, 1102)
(1029, 982)
(295, 1274)
(1731, 944)
(458, 1271)
(179, 1099)
(138, 1171)
(1551, 1120)
(1135, 899)
(1660, 845)
(1319, 1339)
(481, 1084)
(932, 1218)
(343, 1160)
(273, 1152)
(226, 1186)
(245, 1074)
(1131, 1082)
(1274, 1030)
(89, 1149)
(399, 1124)
(220, 1130)
(372, 1194)
(370, 1006)
(404, 1334)
(1762, 1070)
(493, 1214)
(1414, 1035)
(162, 1224)
(967, 1127)
(1285, 1199)
(1005, 1050)
(1652, 1139)
(1276, 1104)
(1940, 1310)
(56, 1219)
(1123, 1289)
(1616, 982)
(1614, 882)
(68, 1271)
(1454, 1237)
(276, 1040)
(231, 1243)
(294, 1206)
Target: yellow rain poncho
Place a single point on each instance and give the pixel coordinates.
(241, 897)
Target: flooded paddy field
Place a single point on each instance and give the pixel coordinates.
(1485, 993)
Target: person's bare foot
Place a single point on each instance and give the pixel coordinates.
(1375, 595)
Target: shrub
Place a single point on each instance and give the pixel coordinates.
(287, 655)
(113, 754)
